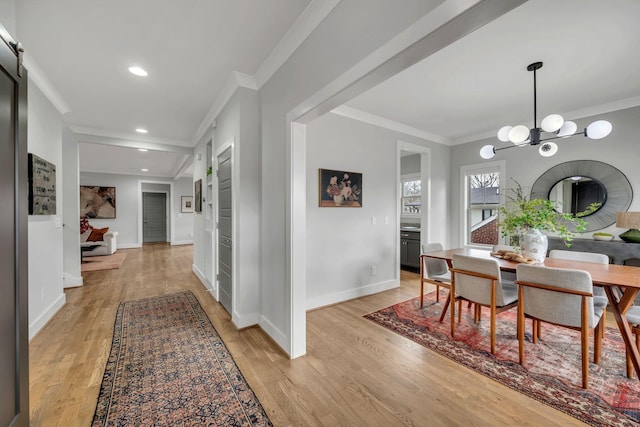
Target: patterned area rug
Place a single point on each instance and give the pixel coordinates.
(552, 371)
(169, 367)
(104, 262)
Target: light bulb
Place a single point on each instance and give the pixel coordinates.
(567, 129)
(487, 152)
(503, 133)
(552, 123)
(548, 149)
(598, 129)
(518, 134)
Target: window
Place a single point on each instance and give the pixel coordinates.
(411, 202)
(481, 203)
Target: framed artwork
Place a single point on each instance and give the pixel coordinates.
(187, 204)
(42, 186)
(197, 194)
(97, 202)
(339, 189)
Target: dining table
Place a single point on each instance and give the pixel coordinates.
(609, 276)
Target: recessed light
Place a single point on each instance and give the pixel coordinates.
(141, 130)
(142, 149)
(138, 71)
(144, 170)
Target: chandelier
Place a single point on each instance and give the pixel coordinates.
(552, 127)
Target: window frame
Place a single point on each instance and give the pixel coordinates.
(411, 177)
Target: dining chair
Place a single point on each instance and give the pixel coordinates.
(562, 297)
(599, 296)
(633, 317)
(478, 281)
(507, 275)
(435, 272)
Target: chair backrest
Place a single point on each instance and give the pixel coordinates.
(556, 306)
(433, 267)
(478, 289)
(593, 257)
(635, 262)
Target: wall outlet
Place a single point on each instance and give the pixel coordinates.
(374, 270)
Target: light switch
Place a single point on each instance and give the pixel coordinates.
(386, 220)
(373, 220)
(58, 222)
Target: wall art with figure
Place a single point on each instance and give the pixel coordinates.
(340, 189)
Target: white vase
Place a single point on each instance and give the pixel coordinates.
(338, 199)
(534, 245)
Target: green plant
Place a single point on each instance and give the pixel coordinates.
(600, 233)
(520, 213)
(209, 170)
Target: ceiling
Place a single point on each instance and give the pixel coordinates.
(462, 93)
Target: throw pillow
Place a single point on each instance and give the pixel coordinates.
(97, 234)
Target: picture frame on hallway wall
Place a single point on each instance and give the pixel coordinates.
(97, 202)
(42, 186)
(197, 193)
(186, 203)
(339, 189)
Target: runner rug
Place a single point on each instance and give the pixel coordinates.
(552, 372)
(169, 367)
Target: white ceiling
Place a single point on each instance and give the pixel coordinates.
(464, 92)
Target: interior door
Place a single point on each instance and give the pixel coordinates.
(14, 352)
(154, 217)
(225, 272)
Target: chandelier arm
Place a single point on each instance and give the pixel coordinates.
(511, 146)
(565, 136)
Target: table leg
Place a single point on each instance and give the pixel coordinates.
(619, 308)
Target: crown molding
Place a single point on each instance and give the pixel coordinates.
(141, 140)
(385, 123)
(312, 16)
(128, 143)
(38, 77)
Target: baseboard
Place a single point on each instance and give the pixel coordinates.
(129, 246)
(182, 242)
(276, 334)
(69, 281)
(343, 296)
(244, 321)
(48, 314)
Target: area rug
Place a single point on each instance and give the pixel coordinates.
(552, 371)
(104, 262)
(169, 367)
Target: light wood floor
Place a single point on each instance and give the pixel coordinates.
(355, 372)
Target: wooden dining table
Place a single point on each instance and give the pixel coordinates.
(609, 276)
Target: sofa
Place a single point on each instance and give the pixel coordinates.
(107, 246)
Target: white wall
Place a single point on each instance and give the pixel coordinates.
(46, 294)
(183, 221)
(619, 149)
(70, 209)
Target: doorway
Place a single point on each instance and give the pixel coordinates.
(154, 217)
(14, 351)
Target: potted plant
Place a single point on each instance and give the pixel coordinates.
(526, 218)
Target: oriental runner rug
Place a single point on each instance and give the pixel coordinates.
(169, 367)
(552, 371)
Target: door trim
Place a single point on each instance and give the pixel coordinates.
(170, 212)
(167, 213)
(234, 218)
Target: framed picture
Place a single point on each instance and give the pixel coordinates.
(42, 186)
(97, 202)
(339, 189)
(197, 194)
(187, 204)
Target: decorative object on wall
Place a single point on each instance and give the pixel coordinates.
(630, 220)
(97, 202)
(42, 186)
(617, 189)
(554, 124)
(339, 189)
(187, 204)
(198, 195)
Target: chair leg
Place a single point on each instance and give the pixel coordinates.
(445, 308)
(603, 322)
(538, 329)
(535, 327)
(421, 292)
(459, 311)
(597, 342)
(493, 327)
(520, 326)
(437, 293)
(629, 364)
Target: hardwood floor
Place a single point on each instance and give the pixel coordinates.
(355, 372)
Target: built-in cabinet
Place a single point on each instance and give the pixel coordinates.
(410, 249)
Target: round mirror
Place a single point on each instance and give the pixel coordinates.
(615, 189)
(575, 194)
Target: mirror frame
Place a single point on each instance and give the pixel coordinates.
(618, 187)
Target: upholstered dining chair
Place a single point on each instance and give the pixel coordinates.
(478, 281)
(633, 317)
(435, 272)
(563, 297)
(506, 275)
(599, 296)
